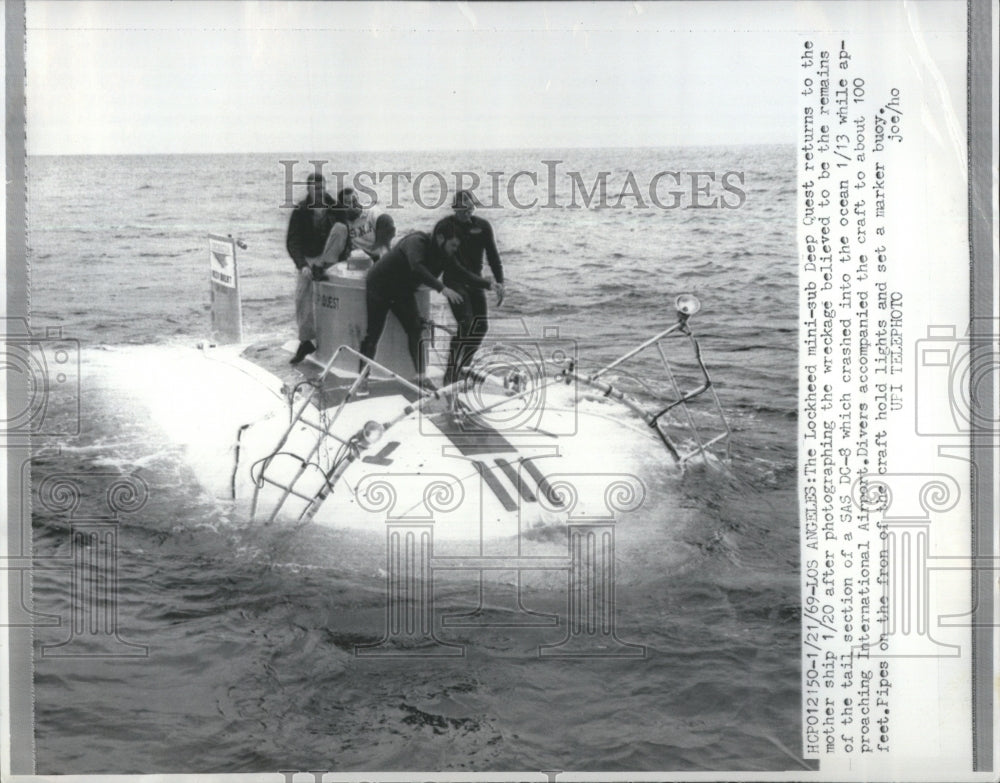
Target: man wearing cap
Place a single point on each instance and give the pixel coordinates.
(308, 229)
(476, 237)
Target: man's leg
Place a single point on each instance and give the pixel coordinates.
(405, 309)
(478, 326)
(305, 315)
(378, 303)
(462, 313)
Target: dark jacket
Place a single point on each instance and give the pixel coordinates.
(477, 238)
(307, 238)
(413, 262)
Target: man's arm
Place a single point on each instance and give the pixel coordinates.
(492, 254)
(455, 271)
(416, 253)
(293, 242)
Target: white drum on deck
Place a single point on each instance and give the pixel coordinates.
(342, 319)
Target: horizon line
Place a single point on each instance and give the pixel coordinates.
(423, 150)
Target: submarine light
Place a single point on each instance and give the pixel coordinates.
(687, 304)
(371, 433)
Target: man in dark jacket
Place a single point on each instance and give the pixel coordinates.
(308, 229)
(476, 237)
(391, 285)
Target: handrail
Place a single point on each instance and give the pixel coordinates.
(653, 418)
(352, 447)
(640, 348)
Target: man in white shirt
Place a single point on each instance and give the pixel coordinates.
(369, 231)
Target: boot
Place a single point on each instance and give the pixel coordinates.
(306, 347)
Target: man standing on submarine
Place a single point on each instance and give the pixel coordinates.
(308, 229)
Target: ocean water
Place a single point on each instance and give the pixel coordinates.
(249, 633)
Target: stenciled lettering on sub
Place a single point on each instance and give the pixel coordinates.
(852, 385)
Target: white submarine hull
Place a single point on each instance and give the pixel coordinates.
(476, 480)
(525, 440)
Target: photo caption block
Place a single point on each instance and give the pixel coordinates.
(885, 513)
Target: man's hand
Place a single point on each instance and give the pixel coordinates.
(451, 295)
(500, 291)
(318, 272)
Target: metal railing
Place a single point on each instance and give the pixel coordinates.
(656, 419)
(348, 451)
(659, 418)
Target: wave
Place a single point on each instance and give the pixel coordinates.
(762, 407)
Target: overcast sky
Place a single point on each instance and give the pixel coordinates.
(122, 77)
